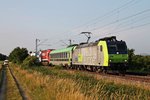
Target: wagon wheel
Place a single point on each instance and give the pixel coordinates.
(122, 71)
(104, 70)
(91, 68)
(95, 69)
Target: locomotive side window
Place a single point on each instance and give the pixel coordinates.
(101, 48)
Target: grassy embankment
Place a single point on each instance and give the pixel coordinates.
(12, 92)
(54, 84)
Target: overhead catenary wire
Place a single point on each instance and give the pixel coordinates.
(131, 22)
(127, 18)
(133, 27)
(106, 14)
(101, 18)
(122, 19)
(126, 29)
(109, 14)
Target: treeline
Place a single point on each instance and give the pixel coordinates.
(138, 62)
(21, 56)
(3, 57)
(18, 55)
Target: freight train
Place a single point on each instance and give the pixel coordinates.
(102, 55)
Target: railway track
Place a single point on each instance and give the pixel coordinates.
(136, 78)
(8, 77)
(143, 79)
(127, 77)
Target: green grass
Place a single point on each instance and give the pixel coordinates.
(1, 62)
(89, 86)
(12, 92)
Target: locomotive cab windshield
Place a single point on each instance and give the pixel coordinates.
(117, 47)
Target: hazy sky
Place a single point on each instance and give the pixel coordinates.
(54, 22)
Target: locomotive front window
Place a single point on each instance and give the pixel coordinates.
(112, 49)
(121, 47)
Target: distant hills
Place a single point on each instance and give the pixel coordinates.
(3, 57)
(144, 54)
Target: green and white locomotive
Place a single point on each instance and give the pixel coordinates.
(102, 55)
(106, 53)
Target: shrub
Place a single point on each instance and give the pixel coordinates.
(30, 61)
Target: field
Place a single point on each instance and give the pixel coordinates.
(42, 83)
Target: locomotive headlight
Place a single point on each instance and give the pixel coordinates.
(109, 60)
(125, 60)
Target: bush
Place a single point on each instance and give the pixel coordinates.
(138, 63)
(30, 61)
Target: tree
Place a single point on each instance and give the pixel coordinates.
(130, 56)
(138, 62)
(18, 55)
